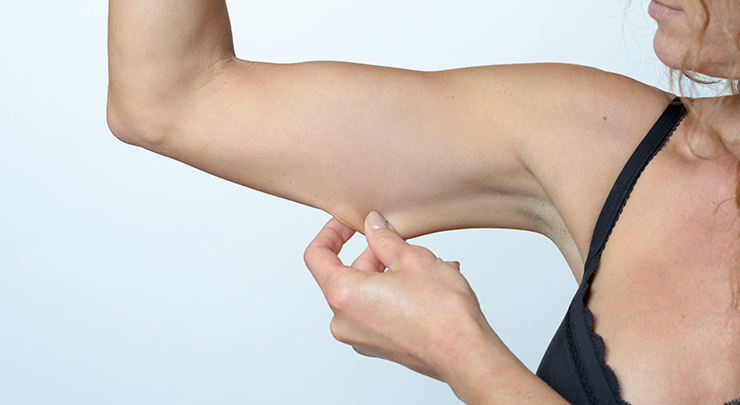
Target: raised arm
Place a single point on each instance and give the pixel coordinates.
(505, 146)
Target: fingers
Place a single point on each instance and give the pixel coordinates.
(333, 235)
(390, 250)
(386, 250)
(368, 262)
(321, 255)
(384, 243)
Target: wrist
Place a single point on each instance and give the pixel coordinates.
(481, 370)
(472, 363)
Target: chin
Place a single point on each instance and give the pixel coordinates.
(668, 53)
(717, 61)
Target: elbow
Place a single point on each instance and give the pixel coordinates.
(147, 113)
(118, 124)
(135, 125)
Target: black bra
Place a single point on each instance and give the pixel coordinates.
(573, 364)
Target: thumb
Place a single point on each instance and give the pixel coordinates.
(387, 246)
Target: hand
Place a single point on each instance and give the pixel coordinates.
(418, 313)
(421, 313)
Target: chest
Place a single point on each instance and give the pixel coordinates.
(665, 298)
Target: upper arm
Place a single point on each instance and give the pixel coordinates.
(351, 138)
(498, 146)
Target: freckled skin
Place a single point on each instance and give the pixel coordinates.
(669, 276)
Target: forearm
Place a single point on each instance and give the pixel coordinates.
(482, 371)
(160, 53)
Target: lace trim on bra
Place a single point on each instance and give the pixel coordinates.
(592, 266)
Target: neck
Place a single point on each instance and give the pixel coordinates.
(717, 116)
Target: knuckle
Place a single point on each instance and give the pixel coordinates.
(338, 331)
(363, 351)
(415, 257)
(385, 242)
(340, 298)
(311, 254)
(307, 255)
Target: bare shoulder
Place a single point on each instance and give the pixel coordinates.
(665, 295)
(574, 128)
(538, 146)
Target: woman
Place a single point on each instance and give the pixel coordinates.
(534, 147)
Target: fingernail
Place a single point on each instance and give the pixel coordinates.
(376, 221)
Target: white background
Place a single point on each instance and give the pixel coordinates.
(129, 278)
